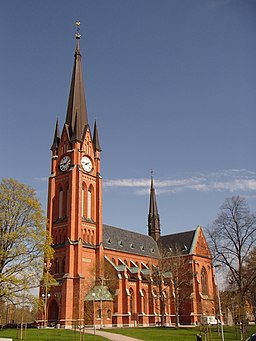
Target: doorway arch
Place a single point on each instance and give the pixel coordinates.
(53, 312)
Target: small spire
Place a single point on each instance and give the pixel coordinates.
(56, 137)
(95, 140)
(153, 216)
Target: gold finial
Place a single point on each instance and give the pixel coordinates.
(78, 35)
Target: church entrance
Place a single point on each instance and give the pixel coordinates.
(53, 313)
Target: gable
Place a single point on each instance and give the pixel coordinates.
(200, 245)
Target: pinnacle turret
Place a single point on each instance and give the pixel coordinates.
(56, 137)
(96, 143)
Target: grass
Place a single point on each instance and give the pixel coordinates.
(34, 334)
(147, 334)
(180, 334)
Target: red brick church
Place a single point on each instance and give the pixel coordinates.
(107, 275)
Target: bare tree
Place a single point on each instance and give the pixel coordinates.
(173, 275)
(250, 269)
(22, 239)
(231, 239)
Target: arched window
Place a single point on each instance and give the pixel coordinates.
(63, 265)
(67, 201)
(90, 203)
(204, 281)
(109, 314)
(132, 307)
(60, 202)
(83, 200)
(57, 267)
(155, 301)
(144, 301)
(99, 313)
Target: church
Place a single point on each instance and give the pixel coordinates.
(108, 276)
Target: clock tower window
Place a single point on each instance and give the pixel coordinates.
(89, 203)
(60, 202)
(83, 201)
(67, 201)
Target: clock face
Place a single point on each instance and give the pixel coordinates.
(65, 163)
(86, 163)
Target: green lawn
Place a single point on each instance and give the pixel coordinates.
(34, 334)
(180, 334)
(147, 334)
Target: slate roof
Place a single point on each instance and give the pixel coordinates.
(177, 242)
(115, 238)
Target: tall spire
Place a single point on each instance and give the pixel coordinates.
(77, 101)
(153, 216)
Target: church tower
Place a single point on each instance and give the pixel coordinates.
(153, 216)
(74, 205)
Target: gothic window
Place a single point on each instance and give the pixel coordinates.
(83, 200)
(67, 201)
(99, 313)
(92, 237)
(63, 265)
(132, 301)
(204, 281)
(57, 267)
(144, 303)
(60, 202)
(89, 203)
(155, 301)
(109, 314)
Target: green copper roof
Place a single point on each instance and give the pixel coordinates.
(101, 294)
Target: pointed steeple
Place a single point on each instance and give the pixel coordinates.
(56, 138)
(75, 131)
(77, 101)
(153, 216)
(95, 140)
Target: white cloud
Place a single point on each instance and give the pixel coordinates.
(230, 180)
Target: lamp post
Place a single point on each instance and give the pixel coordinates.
(93, 297)
(220, 312)
(46, 295)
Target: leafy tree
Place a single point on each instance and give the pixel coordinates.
(22, 239)
(232, 238)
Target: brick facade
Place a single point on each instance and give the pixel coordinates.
(107, 275)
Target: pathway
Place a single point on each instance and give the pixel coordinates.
(112, 336)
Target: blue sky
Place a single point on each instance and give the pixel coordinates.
(171, 84)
